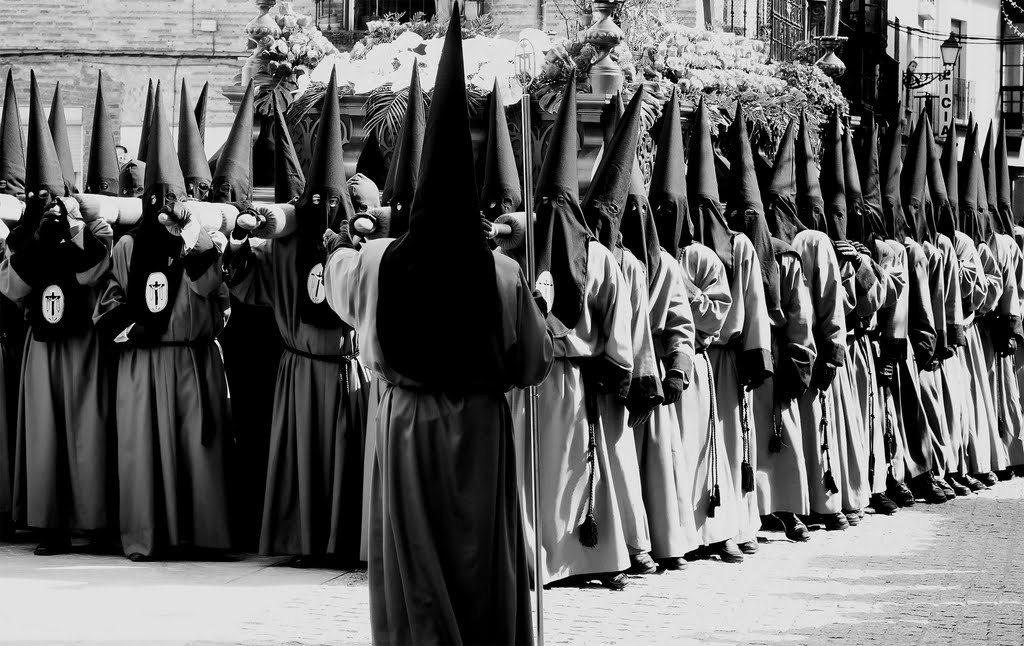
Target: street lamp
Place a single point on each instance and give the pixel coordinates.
(949, 50)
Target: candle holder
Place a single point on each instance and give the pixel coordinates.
(831, 64)
(604, 36)
(260, 33)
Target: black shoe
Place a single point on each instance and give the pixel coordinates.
(641, 563)
(972, 483)
(699, 554)
(852, 517)
(832, 522)
(749, 547)
(958, 488)
(728, 551)
(674, 564)
(795, 529)
(882, 504)
(614, 581)
(944, 487)
(900, 494)
(1004, 475)
(135, 557)
(1018, 470)
(53, 547)
(772, 523)
(927, 488)
(6, 529)
(988, 479)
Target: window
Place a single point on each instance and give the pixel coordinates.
(1012, 92)
(962, 99)
(352, 15)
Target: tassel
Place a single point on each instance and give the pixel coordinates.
(830, 482)
(714, 501)
(588, 531)
(775, 444)
(747, 473)
(871, 468)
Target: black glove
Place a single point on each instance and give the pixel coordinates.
(673, 386)
(824, 373)
(886, 370)
(542, 304)
(53, 228)
(640, 417)
(846, 251)
(334, 241)
(947, 351)
(786, 390)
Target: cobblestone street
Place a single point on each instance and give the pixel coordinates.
(949, 574)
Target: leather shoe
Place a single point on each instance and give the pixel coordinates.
(832, 522)
(748, 547)
(947, 490)
(988, 479)
(852, 517)
(972, 483)
(674, 564)
(1004, 475)
(958, 488)
(728, 551)
(53, 547)
(641, 563)
(927, 488)
(882, 504)
(614, 580)
(795, 529)
(900, 494)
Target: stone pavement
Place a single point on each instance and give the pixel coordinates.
(949, 574)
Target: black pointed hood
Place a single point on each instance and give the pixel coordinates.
(371, 162)
(1004, 196)
(200, 112)
(990, 165)
(12, 146)
(147, 117)
(639, 233)
(605, 201)
(972, 212)
(914, 184)
(59, 130)
(809, 201)
(667, 193)
(404, 171)
(781, 211)
(191, 153)
(42, 165)
(441, 274)
(289, 180)
(895, 219)
(866, 223)
(232, 181)
(745, 210)
(944, 167)
(501, 192)
(833, 179)
(103, 176)
(710, 227)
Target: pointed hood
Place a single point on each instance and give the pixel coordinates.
(605, 202)
(710, 228)
(12, 146)
(232, 181)
(943, 180)
(442, 272)
(914, 184)
(895, 220)
(501, 192)
(59, 130)
(833, 179)
(990, 166)
(667, 193)
(864, 215)
(781, 196)
(745, 210)
(289, 180)
(147, 117)
(200, 112)
(639, 233)
(562, 236)
(191, 153)
(972, 214)
(371, 162)
(1004, 196)
(809, 201)
(103, 174)
(400, 185)
(986, 226)
(42, 165)
(164, 182)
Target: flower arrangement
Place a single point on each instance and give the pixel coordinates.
(289, 58)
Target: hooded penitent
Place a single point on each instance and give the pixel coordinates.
(833, 179)
(132, 178)
(866, 222)
(895, 220)
(667, 193)
(950, 165)
(232, 181)
(639, 233)
(440, 275)
(12, 147)
(59, 130)
(147, 118)
(1000, 220)
(371, 162)
(972, 212)
(324, 204)
(288, 177)
(1004, 202)
(914, 184)
(605, 200)
(103, 173)
(709, 225)
(809, 202)
(943, 210)
(562, 236)
(191, 154)
(501, 192)
(200, 111)
(404, 172)
(745, 210)
(156, 253)
(781, 196)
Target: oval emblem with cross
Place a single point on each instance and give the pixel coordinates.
(156, 292)
(315, 284)
(546, 287)
(53, 304)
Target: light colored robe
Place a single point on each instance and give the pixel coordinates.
(448, 561)
(172, 486)
(63, 477)
(745, 337)
(313, 500)
(667, 482)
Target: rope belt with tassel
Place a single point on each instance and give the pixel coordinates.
(871, 421)
(746, 470)
(829, 480)
(342, 360)
(588, 534)
(715, 495)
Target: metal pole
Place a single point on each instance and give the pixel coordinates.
(526, 61)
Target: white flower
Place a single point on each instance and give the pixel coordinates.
(408, 40)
